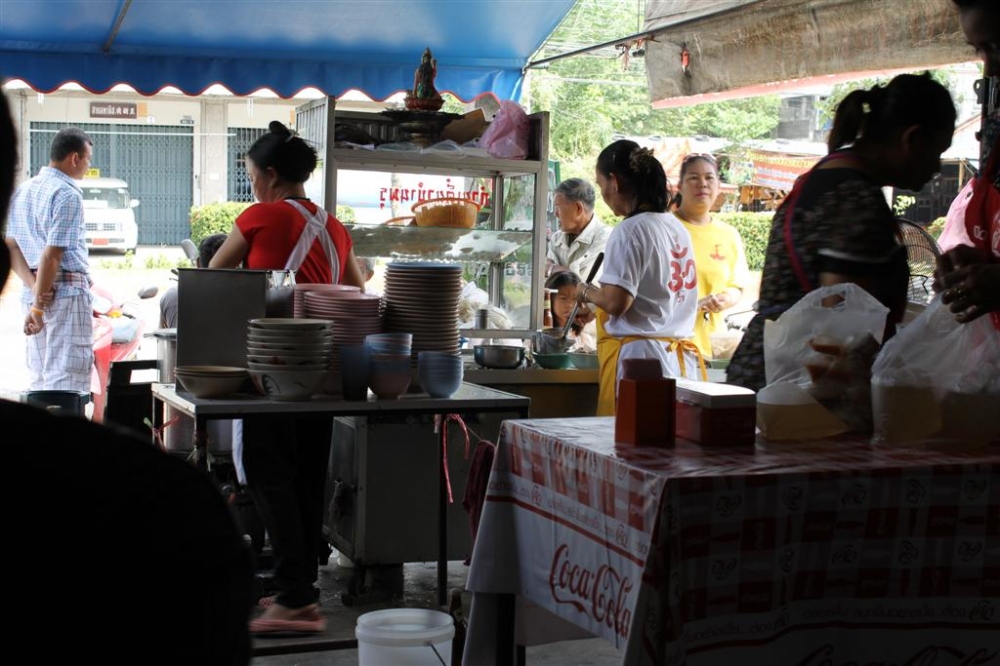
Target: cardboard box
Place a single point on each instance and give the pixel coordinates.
(644, 414)
(468, 127)
(714, 414)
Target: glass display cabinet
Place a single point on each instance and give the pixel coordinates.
(501, 254)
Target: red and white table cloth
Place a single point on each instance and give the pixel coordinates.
(829, 554)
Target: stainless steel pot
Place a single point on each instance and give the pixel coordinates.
(166, 353)
(179, 435)
(503, 357)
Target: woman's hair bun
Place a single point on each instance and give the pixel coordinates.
(278, 128)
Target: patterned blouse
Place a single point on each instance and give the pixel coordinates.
(841, 224)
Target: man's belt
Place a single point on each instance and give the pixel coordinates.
(71, 279)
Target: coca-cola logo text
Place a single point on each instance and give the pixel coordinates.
(601, 594)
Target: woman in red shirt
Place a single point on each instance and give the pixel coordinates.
(266, 233)
(285, 457)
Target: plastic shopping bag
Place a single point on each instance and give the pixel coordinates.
(955, 232)
(507, 135)
(825, 344)
(787, 348)
(938, 382)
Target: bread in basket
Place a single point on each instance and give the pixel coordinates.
(446, 212)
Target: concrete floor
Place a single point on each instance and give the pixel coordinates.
(419, 591)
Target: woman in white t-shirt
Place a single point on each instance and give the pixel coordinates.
(648, 298)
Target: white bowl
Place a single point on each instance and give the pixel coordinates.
(253, 365)
(287, 360)
(211, 386)
(288, 384)
(289, 324)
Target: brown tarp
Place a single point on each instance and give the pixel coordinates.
(759, 47)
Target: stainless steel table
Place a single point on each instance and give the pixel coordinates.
(469, 399)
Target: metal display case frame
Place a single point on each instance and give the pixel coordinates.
(488, 242)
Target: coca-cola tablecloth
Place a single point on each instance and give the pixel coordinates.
(818, 554)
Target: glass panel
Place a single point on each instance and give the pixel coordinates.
(519, 203)
(376, 197)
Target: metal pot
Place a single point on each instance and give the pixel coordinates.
(501, 357)
(166, 353)
(178, 436)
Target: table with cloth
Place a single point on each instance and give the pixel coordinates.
(806, 553)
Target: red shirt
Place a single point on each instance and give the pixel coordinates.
(272, 229)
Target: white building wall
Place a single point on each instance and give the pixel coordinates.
(210, 116)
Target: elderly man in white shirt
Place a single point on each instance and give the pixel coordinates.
(581, 236)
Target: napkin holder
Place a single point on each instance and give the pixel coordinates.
(644, 412)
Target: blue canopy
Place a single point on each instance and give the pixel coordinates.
(285, 45)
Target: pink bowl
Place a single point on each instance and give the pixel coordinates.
(389, 386)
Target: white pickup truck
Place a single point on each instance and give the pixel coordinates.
(108, 214)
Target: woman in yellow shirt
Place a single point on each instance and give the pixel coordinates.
(718, 249)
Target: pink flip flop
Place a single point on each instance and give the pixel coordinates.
(310, 623)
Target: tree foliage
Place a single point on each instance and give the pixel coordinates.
(828, 106)
(591, 97)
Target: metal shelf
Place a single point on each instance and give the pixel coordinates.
(372, 160)
(436, 242)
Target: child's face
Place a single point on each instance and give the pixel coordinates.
(562, 304)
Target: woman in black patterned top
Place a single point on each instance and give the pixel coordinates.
(835, 225)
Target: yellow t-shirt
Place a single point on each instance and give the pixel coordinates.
(721, 263)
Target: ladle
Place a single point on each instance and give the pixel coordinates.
(549, 343)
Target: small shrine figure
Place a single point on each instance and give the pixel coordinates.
(424, 95)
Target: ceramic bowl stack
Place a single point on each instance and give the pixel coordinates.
(210, 381)
(299, 292)
(422, 298)
(352, 315)
(389, 364)
(289, 359)
(440, 373)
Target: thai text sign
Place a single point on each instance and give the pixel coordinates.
(128, 110)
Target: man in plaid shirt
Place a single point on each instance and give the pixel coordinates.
(49, 254)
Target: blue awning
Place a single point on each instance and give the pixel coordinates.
(283, 45)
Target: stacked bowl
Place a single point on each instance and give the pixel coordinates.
(440, 373)
(422, 298)
(210, 381)
(289, 359)
(389, 363)
(352, 315)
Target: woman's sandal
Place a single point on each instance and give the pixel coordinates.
(309, 621)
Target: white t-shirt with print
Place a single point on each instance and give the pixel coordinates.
(650, 256)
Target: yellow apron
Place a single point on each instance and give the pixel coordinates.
(608, 350)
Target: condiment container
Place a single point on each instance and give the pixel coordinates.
(714, 414)
(644, 412)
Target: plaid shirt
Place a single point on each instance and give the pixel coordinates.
(48, 210)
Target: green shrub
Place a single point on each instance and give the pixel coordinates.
(164, 261)
(214, 218)
(754, 228)
(345, 214)
(936, 228)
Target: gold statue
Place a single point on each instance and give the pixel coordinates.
(424, 96)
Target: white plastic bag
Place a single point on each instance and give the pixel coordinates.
(786, 341)
(507, 135)
(828, 350)
(938, 381)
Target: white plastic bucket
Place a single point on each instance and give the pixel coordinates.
(404, 637)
